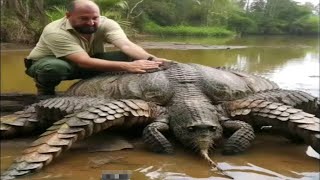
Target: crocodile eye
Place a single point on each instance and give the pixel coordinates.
(190, 128)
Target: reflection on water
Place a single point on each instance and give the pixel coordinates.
(291, 62)
(297, 74)
(13, 78)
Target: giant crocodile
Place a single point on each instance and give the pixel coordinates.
(195, 103)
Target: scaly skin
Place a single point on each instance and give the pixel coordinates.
(39, 116)
(181, 83)
(291, 120)
(296, 99)
(240, 140)
(75, 127)
(21, 122)
(200, 101)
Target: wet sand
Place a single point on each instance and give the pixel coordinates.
(269, 158)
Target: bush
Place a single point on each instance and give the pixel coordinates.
(241, 24)
(56, 13)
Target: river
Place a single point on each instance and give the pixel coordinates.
(292, 62)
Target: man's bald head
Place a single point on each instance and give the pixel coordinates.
(83, 16)
(76, 4)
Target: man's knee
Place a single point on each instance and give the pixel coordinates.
(51, 68)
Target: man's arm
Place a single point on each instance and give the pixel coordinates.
(134, 51)
(64, 46)
(82, 59)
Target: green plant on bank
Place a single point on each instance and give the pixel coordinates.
(56, 13)
(115, 15)
(187, 30)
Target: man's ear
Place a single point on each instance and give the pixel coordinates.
(68, 14)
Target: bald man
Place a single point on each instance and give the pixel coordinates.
(73, 48)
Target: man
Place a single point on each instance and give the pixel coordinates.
(73, 48)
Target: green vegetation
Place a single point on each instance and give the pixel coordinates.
(186, 30)
(23, 20)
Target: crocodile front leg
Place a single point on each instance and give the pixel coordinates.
(77, 126)
(39, 116)
(153, 137)
(241, 138)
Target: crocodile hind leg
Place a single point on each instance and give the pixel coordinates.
(39, 116)
(153, 137)
(241, 138)
(291, 120)
(77, 126)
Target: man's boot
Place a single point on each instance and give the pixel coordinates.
(43, 90)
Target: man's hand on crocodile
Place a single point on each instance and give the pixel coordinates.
(166, 63)
(141, 66)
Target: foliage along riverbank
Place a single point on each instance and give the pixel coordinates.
(23, 21)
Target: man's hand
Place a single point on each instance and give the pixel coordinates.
(141, 66)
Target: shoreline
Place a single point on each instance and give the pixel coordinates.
(7, 47)
(15, 46)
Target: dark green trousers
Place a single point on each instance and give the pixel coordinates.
(50, 71)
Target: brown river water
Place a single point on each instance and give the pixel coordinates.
(292, 62)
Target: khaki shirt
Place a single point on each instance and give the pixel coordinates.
(59, 39)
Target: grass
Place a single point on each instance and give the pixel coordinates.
(187, 30)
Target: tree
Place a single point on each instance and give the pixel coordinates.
(258, 6)
(28, 11)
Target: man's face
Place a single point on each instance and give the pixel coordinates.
(85, 20)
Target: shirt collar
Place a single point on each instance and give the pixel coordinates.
(66, 24)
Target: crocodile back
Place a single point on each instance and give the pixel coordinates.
(153, 87)
(222, 84)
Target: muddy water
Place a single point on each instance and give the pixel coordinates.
(292, 62)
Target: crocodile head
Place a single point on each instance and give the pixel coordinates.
(196, 125)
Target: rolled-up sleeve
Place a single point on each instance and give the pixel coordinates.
(61, 45)
(113, 31)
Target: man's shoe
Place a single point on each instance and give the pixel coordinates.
(44, 91)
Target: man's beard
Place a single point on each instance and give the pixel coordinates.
(86, 29)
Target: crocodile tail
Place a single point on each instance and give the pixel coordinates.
(74, 127)
(18, 123)
(294, 98)
(290, 120)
